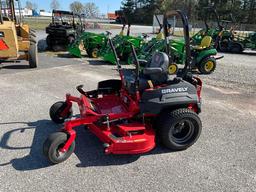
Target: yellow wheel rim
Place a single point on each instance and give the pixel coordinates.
(209, 66)
(95, 54)
(172, 69)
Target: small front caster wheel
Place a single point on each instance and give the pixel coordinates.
(59, 112)
(93, 53)
(52, 146)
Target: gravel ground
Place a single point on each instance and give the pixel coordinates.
(222, 160)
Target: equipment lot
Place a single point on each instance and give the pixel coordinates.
(222, 160)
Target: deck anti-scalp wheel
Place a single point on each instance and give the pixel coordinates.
(179, 129)
(52, 146)
(56, 111)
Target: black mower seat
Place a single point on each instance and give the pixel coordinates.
(155, 73)
(157, 69)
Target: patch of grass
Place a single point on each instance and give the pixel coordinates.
(37, 24)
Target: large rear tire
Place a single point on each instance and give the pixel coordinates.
(49, 42)
(33, 55)
(52, 146)
(236, 48)
(179, 129)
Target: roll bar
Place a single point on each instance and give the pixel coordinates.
(186, 36)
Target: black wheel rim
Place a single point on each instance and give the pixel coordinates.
(182, 131)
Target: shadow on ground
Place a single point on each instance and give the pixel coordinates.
(89, 149)
(15, 66)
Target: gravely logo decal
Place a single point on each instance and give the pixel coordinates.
(175, 90)
(3, 45)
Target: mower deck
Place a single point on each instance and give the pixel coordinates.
(103, 116)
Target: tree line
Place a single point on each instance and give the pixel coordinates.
(89, 10)
(142, 11)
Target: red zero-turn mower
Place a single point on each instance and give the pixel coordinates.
(128, 114)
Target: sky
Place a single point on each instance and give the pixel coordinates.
(104, 5)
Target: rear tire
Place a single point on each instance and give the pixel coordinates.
(32, 55)
(236, 48)
(49, 42)
(179, 129)
(56, 110)
(207, 65)
(52, 145)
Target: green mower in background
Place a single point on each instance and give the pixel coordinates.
(225, 40)
(204, 56)
(122, 44)
(91, 42)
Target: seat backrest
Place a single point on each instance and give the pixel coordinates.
(206, 41)
(157, 68)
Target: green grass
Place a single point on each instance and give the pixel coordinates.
(37, 24)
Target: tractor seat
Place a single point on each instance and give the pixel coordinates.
(205, 43)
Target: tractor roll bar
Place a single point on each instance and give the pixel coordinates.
(160, 25)
(186, 35)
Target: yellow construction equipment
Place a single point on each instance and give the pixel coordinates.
(17, 40)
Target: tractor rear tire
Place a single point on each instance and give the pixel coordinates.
(33, 55)
(49, 42)
(207, 65)
(236, 48)
(179, 129)
(52, 145)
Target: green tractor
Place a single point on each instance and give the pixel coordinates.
(224, 39)
(248, 41)
(91, 42)
(123, 48)
(204, 55)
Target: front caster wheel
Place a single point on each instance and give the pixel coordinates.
(179, 129)
(93, 53)
(207, 66)
(59, 112)
(52, 146)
